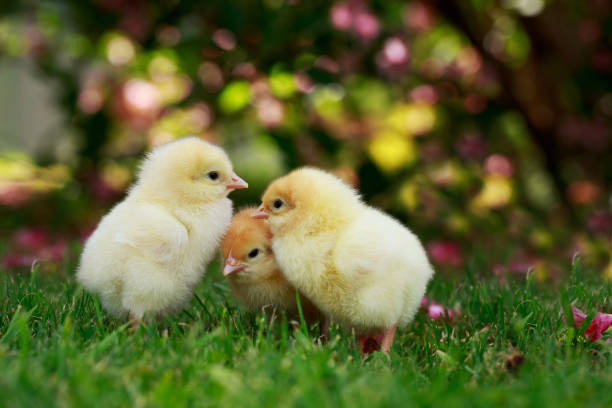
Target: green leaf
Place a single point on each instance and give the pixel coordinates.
(235, 97)
(566, 307)
(583, 326)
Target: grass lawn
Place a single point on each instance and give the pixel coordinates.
(59, 348)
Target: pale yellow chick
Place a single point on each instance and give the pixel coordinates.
(255, 279)
(150, 251)
(361, 267)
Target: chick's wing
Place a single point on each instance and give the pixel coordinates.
(155, 233)
(369, 249)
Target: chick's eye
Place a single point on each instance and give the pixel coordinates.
(278, 203)
(213, 175)
(253, 253)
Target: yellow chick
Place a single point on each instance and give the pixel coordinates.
(359, 266)
(149, 252)
(255, 279)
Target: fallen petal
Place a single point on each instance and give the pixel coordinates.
(597, 326)
(600, 324)
(579, 316)
(424, 302)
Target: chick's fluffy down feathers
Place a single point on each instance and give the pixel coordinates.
(261, 284)
(150, 251)
(360, 266)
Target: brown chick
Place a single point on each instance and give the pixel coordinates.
(255, 278)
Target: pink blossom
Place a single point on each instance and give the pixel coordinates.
(340, 16)
(53, 252)
(600, 222)
(395, 51)
(435, 311)
(598, 325)
(31, 238)
(225, 39)
(521, 265)
(366, 26)
(424, 94)
(31, 244)
(15, 195)
(424, 302)
(91, 99)
(270, 112)
(499, 165)
(418, 17)
(446, 253)
(13, 260)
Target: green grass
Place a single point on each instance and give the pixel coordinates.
(59, 348)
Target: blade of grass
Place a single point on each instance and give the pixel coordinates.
(303, 326)
(583, 326)
(566, 307)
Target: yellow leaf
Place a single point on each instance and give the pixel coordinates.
(495, 193)
(390, 151)
(412, 119)
(408, 195)
(608, 270)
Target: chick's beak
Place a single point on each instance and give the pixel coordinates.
(236, 183)
(232, 266)
(260, 213)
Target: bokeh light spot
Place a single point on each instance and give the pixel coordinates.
(391, 151)
(235, 96)
(119, 50)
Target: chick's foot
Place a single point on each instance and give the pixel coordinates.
(387, 339)
(369, 343)
(381, 342)
(134, 321)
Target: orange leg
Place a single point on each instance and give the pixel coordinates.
(325, 328)
(134, 321)
(387, 339)
(381, 341)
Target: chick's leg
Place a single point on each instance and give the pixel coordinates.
(134, 320)
(325, 328)
(387, 339)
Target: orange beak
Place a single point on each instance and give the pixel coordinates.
(236, 183)
(260, 213)
(232, 266)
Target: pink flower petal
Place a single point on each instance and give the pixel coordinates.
(579, 316)
(436, 311)
(17, 260)
(600, 324)
(446, 253)
(341, 16)
(31, 238)
(597, 326)
(424, 302)
(366, 26)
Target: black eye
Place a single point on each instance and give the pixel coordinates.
(253, 253)
(278, 203)
(213, 175)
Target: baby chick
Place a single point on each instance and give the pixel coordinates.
(359, 266)
(150, 251)
(254, 277)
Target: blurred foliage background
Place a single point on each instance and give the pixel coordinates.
(482, 124)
